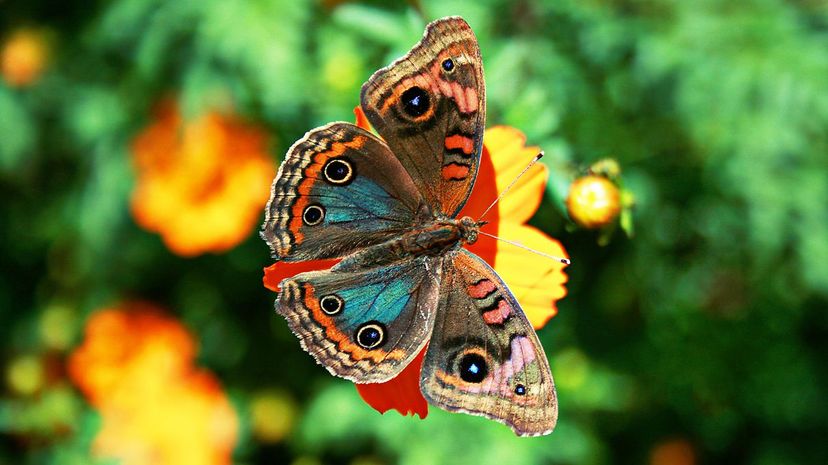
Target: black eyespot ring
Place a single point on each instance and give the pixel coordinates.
(371, 335)
(331, 304)
(520, 389)
(473, 368)
(448, 65)
(415, 102)
(313, 214)
(338, 171)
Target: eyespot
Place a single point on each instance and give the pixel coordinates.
(520, 389)
(338, 171)
(313, 214)
(371, 335)
(448, 65)
(331, 304)
(415, 102)
(473, 368)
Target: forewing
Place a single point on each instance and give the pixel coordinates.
(430, 106)
(339, 189)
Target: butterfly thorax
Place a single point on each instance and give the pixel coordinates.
(440, 236)
(434, 238)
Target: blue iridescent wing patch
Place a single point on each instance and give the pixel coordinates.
(367, 325)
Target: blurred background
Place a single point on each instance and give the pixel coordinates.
(138, 140)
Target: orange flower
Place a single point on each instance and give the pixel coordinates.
(23, 57)
(673, 452)
(136, 368)
(537, 282)
(201, 184)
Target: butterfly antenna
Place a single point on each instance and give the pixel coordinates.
(565, 261)
(509, 187)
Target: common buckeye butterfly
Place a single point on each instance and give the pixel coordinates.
(387, 207)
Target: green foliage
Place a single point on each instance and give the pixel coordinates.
(338, 425)
(16, 132)
(709, 325)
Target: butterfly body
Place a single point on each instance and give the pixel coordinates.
(433, 239)
(387, 209)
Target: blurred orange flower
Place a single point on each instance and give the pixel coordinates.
(23, 57)
(673, 452)
(136, 368)
(201, 184)
(537, 282)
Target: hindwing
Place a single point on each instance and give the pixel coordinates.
(484, 357)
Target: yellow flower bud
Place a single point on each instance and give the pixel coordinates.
(593, 201)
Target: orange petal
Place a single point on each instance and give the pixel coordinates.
(401, 393)
(510, 156)
(275, 273)
(484, 191)
(537, 282)
(361, 119)
(504, 157)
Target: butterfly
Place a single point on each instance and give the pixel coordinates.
(387, 208)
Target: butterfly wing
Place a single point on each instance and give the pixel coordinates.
(339, 188)
(430, 106)
(484, 358)
(364, 325)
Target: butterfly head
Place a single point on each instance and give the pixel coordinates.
(470, 229)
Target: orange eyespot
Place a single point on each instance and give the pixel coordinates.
(593, 201)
